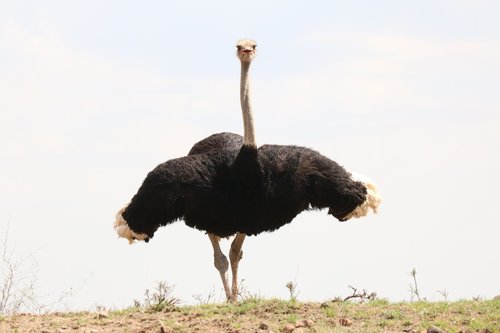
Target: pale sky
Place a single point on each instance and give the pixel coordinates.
(94, 94)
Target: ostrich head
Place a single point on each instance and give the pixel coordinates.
(246, 50)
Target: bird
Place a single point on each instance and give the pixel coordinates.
(227, 186)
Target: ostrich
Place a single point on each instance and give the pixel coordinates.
(227, 186)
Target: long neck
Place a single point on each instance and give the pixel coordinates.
(246, 106)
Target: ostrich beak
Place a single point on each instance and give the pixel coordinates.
(341, 218)
(146, 239)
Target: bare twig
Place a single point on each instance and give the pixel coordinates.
(414, 291)
(292, 289)
(160, 298)
(443, 293)
(17, 286)
(361, 296)
(18, 282)
(244, 294)
(205, 300)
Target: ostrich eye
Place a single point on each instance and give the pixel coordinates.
(238, 47)
(254, 46)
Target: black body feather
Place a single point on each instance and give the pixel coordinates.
(224, 140)
(224, 188)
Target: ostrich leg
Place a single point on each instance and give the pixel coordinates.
(235, 255)
(220, 262)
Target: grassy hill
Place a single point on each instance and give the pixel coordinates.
(258, 315)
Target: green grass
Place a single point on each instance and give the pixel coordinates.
(248, 315)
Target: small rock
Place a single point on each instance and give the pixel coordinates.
(163, 329)
(434, 329)
(263, 326)
(466, 330)
(288, 328)
(484, 330)
(345, 322)
(309, 323)
(102, 315)
(332, 322)
(304, 323)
